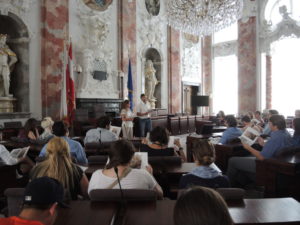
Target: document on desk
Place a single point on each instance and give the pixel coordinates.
(214, 166)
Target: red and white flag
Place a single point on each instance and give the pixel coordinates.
(68, 90)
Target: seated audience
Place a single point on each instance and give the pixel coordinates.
(247, 123)
(30, 131)
(250, 114)
(127, 120)
(201, 206)
(203, 174)
(58, 165)
(158, 145)
(241, 167)
(221, 117)
(232, 131)
(296, 136)
(257, 117)
(120, 156)
(6, 159)
(60, 129)
(46, 124)
(267, 130)
(102, 133)
(41, 198)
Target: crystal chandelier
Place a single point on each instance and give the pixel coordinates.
(203, 17)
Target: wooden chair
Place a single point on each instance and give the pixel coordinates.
(14, 200)
(114, 195)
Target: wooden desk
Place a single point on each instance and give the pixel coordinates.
(268, 172)
(253, 211)
(217, 129)
(171, 170)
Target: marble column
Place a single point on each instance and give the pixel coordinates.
(268, 82)
(207, 71)
(174, 84)
(247, 80)
(55, 22)
(127, 42)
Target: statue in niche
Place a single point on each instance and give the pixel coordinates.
(150, 82)
(152, 7)
(7, 60)
(87, 65)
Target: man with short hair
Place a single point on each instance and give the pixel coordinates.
(60, 129)
(267, 130)
(101, 133)
(41, 198)
(143, 112)
(280, 139)
(232, 131)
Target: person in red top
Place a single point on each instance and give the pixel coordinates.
(42, 195)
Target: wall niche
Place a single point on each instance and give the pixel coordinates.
(18, 42)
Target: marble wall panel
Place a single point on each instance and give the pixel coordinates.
(247, 79)
(127, 43)
(174, 71)
(207, 70)
(55, 20)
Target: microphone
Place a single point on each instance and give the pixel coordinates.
(119, 216)
(121, 190)
(100, 137)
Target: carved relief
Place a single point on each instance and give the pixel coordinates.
(191, 59)
(92, 51)
(225, 48)
(20, 8)
(151, 29)
(249, 10)
(288, 27)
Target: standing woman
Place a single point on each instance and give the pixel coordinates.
(127, 120)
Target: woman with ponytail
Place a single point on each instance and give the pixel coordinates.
(204, 174)
(58, 165)
(120, 156)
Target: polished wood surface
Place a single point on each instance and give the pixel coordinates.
(168, 169)
(280, 176)
(250, 211)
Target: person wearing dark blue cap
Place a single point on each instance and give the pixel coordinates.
(41, 198)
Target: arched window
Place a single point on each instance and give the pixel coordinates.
(225, 70)
(280, 63)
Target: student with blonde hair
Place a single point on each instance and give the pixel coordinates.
(46, 124)
(204, 174)
(58, 165)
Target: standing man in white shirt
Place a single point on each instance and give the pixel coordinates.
(143, 112)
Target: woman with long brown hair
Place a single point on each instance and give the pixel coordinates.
(58, 165)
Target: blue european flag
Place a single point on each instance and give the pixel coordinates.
(129, 85)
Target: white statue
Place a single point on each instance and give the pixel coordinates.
(7, 59)
(150, 81)
(87, 67)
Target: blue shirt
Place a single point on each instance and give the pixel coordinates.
(267, 130)
(229, 134)
(296, 139)
(279, 139)
(75, 149)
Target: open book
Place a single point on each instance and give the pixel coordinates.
(115, 130)
(141, 159)
(19, 152)
(249, 136)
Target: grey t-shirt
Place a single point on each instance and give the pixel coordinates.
(135, 179)
(95, 135)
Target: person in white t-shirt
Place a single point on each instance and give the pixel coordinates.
(127, 120)
(120, 156)
(143, 111)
